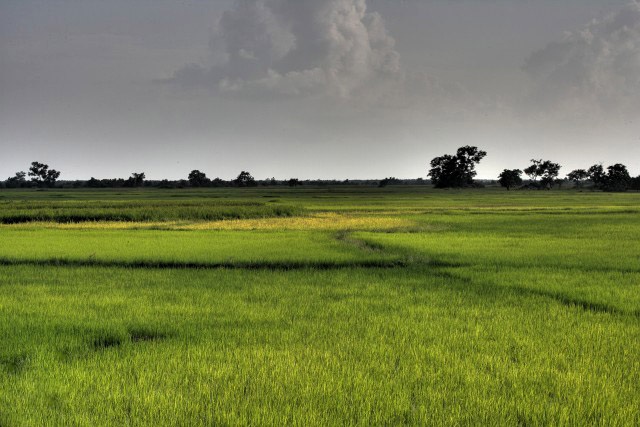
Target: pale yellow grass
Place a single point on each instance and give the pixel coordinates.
(325, 221)
(321, 221)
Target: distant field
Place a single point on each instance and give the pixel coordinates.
(309, 306)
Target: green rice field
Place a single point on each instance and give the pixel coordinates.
(319, 306)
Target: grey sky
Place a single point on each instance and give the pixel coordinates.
(315, 88)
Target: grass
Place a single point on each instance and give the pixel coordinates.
(15, 212)
(392, 306)
(164, 248)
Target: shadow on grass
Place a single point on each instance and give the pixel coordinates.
(14, 364)
(570, 301)
(135, 334)
(494, 290)
(247, 265)
(106, 341)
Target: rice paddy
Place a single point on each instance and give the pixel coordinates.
(347, 306)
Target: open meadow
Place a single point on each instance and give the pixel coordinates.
(319, 306)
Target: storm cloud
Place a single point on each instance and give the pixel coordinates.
(293, 47)
(591, 72)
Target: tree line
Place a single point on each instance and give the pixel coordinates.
(447, 171)
(458, 171)
(40, 176)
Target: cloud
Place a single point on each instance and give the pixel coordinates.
(593, 72)
(300, 47)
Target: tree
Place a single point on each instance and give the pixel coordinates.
(198, 179)
(294, 182)
(42, 176)
(458, 170)
(217, 182)
(617, 179)
(550, 174)
(17, 181)
(546, 170)
(533, 170)
(635, 183)
(597, 175)
(135, 180)
(245, 179)
(578, 176)
(510, 178)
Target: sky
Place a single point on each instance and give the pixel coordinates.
(316, 89)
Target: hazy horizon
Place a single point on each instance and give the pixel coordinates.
(315, 89)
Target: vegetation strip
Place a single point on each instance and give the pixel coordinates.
(23, 214)
(258, 265)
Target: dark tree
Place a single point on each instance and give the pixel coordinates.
(635, 183)
(546, 170)
(532, 171)
(550, 174)
(217, 182)
(509, 178)
(198, 179)
(294, 182)
(42, 176)
(17, 181)
(597, 175)
(578, 176)
(617, 179)
(95, 183)
(135, 180)
(458, 170)
(245, 179)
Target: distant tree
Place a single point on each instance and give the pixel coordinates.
(135, 180)
(578, 176)
(42, 176)
(635, 183)
(245, 179)
(509, 178)
(456, 171)
(94, 183)
(597, 175)
(388, 181)
(532, 171)
(198, 179)
(217, 182)
(294, 182)
(17, 181)
(545, 170)
(617, 179)
(550, 174)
